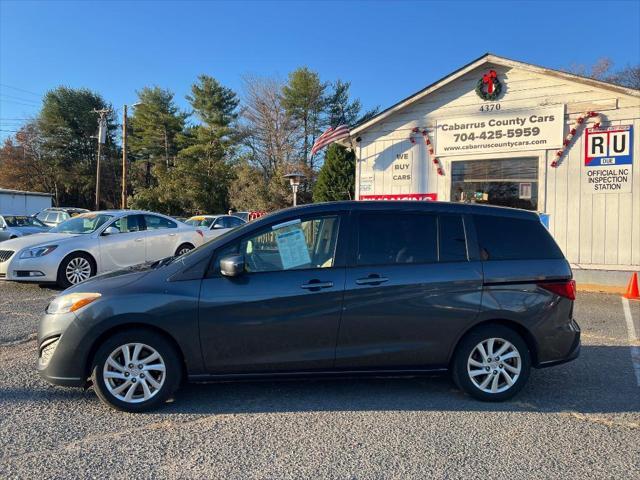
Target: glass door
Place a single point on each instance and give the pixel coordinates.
(509, 182)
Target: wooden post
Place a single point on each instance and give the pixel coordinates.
(98, 176)
(124, 158)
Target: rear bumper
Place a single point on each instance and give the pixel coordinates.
(572, 353)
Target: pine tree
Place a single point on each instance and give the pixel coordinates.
(336, 179)
(303, 98)
(155, 125)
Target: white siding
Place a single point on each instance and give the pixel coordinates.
(599, 230)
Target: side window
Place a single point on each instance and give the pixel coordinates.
(292, 245)
(235, 222)
(504, 238)
(222, 222)
(130, 223)
(42, 216)
(451, 239)
(52, 217)
(392, 238)
(154, 222)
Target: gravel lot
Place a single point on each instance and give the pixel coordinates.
(579, 420)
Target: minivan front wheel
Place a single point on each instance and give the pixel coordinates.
(136, 370)
(492, 363)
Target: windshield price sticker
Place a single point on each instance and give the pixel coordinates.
(292, 245)
(498, 131)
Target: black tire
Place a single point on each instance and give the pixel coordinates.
(467, 347)
(184, 248)
(168, 355)
(65, 282)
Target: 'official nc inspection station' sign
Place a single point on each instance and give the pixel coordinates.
(540, 128)
(608, 159)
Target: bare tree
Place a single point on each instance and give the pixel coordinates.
(268, 131)
(602, 69)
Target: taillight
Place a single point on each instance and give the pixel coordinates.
(564, 289)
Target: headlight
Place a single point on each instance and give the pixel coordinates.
(38, 251)
(71, 302)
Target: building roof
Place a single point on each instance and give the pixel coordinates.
(487, 58)
(24, 192)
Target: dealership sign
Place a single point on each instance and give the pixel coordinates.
(608, 159)
(496, 131)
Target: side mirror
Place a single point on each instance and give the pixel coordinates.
(111, 231)
(232, 265)
(217, 226)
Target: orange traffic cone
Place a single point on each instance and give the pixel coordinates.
(632, 292)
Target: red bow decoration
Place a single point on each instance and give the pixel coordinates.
(488, 79)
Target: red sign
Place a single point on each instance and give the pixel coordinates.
(402, 196)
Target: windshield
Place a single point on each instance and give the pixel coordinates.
(23, 221)
(200, 221)
(82, 224)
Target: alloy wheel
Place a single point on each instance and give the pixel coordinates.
(184, 250)
(494, 365)
(134, 373)
(78, 269)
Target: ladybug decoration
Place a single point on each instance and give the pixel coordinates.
(489, 87)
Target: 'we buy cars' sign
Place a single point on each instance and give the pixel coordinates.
(608, 159)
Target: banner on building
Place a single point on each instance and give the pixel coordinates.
(539, 128)
(402, 196)
(608, 159)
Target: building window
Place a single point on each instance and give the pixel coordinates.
(510, 182)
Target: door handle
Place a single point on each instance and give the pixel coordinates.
(315, 285)
(371, 280)
(139, 239)
(172, 234)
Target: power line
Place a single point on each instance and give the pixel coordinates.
(20, 89)
(19, 103)
(18, 98)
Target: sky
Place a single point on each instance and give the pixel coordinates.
(387, 50)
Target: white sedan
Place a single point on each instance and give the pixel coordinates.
(94, 243)
(215, 225)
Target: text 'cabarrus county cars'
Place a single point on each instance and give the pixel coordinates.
(340, 288)
(93, 243)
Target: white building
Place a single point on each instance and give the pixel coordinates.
(18, 202)
(502, 151)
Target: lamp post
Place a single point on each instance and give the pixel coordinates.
(124, 154)
(294, 180)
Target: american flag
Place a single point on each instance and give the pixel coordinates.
(328, 137)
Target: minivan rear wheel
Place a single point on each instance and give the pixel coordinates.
(492, 363)
(136, 370)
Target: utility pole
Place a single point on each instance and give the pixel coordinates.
(124, 158)
(102, 136)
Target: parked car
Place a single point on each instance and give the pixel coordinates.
(56, 215)
(339, 288)
(215, 225)
(93, 243)
(14, 226)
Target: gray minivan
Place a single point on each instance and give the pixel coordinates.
(344, 288)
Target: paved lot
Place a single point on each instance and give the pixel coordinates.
(580, 420)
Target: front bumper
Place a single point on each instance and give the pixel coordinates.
(61, 359)
(41, 270)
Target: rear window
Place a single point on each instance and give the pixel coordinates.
(504, 238)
